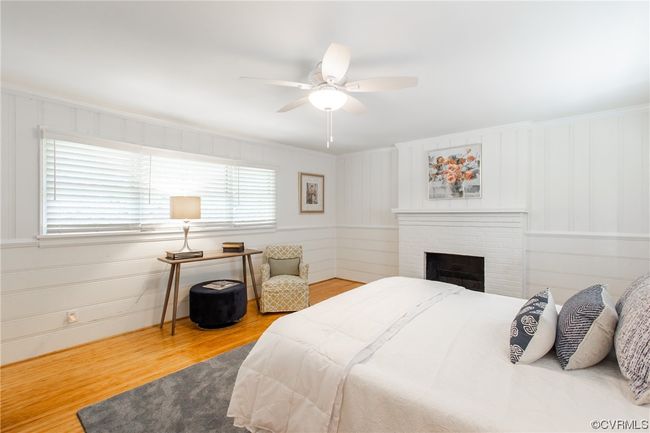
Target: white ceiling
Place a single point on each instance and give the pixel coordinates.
(479, 64)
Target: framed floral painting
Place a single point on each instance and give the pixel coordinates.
(312, 193)
(455, 172)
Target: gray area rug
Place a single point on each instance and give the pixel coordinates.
(193, 400)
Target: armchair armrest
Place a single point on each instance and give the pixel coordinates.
(304, 271)
(265, 269)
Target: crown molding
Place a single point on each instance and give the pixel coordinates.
(72, 102)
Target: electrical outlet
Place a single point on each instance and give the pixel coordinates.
(71, 317)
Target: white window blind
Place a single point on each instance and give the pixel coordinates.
(92, 188)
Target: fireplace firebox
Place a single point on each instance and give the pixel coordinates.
(465, 271)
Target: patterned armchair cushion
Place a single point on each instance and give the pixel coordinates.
(304, 271)
(284, 293)
(284, 282)
(266, 271)
(283, 252)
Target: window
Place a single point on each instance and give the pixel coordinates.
(108, 188)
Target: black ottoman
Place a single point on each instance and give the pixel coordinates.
(210, 308)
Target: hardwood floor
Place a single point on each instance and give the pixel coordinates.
(44, 394)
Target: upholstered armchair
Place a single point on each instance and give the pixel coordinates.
(284, 279)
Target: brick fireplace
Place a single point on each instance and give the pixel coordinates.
(495, 236)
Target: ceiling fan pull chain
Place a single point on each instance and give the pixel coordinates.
(327, 130)
(329, 134)
(331, 127)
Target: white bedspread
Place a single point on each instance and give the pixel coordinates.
(408, 355)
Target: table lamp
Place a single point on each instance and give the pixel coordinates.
(185, 208)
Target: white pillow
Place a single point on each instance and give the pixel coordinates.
(532, 332)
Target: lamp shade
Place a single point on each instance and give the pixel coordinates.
(184, 208)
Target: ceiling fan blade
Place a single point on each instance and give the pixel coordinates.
(336, 62)
(294, 104)
(353, 105)
(381, 84)
(283, 83)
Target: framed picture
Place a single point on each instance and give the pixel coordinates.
(455, 172)
(312, 193)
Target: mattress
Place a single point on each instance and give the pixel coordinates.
(410, 355)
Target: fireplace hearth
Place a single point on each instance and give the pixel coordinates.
(465, 271)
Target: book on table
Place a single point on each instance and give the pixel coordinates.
(179, 255)
(233, 247)
(220, 285)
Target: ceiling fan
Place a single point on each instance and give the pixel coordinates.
(329, 89)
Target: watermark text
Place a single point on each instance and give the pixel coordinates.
(619, 424)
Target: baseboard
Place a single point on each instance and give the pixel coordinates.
(336, 278)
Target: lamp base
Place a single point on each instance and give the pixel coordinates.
(186, 252)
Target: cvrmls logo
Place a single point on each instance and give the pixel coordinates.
(620, 424)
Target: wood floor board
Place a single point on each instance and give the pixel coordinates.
(44, 394)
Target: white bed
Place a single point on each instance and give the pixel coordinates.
(409, 355)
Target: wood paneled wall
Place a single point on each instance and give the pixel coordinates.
(584, 181)
(589, 215)
(504, 168)
(367, 236)
(114, 283)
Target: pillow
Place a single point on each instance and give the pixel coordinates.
(532, 333)
(637, 284)
(284, 266)
(632, 340)
(585, 328)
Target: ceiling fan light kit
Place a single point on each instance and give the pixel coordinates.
(329, 87)
(328, 99)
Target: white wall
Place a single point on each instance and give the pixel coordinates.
(589, 218)
(504, 169)
(114, 283)
(584, 182)
(367, 229)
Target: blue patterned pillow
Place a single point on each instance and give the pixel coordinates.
(585, 328)
(532, 332)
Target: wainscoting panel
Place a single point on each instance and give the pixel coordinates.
(366, 253)
(570, 262)
(114, 288)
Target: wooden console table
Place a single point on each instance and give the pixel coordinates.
(175, 272)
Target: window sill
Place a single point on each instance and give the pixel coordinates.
(100, 238)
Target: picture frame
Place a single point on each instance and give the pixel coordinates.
(455, 172)
(312, 193)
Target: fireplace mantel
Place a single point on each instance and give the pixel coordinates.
(458, 211)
